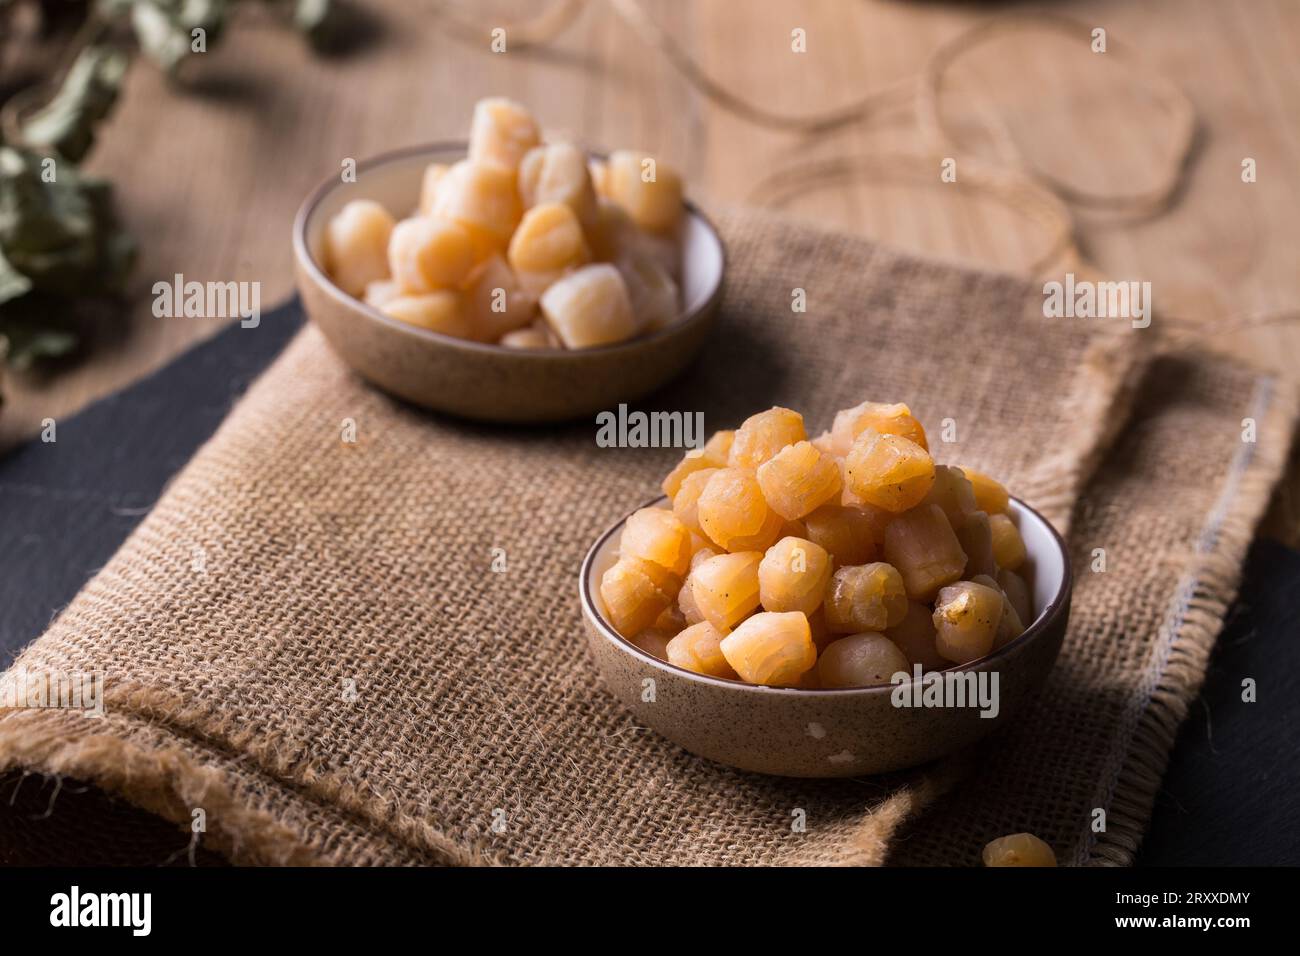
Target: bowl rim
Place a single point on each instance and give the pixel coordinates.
(317, 273)
(1051, 613)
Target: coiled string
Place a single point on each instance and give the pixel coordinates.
(1018, 183)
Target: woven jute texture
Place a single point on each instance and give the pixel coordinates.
(342, 678)
(1157, 543)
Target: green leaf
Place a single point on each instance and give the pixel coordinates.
(29, 344)
(168, 31)
(60, 233)
(12, 282)
(66, 124)
(315, 19)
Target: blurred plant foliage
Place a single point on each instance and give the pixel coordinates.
(61, 243)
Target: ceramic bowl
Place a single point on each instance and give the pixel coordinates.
(482, 381)
(843, 732)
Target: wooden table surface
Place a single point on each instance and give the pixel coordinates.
(209, 173)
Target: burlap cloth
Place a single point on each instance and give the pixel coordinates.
(327, 562)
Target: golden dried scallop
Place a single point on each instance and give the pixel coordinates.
(914, 635)
(648, 190)
(698, 648)
(1008, 547)
(702, 551)
(432, 179)
(356, 245)
(733, 514)
(712, 455)
(589, 307)
(798, 480)
(635, 593)
(990, 495)
(718, 447)
(771, 648)
(922, 546)
(535, 336)
(887, 419)
(761, 436)
(1009, 625)
(975, 536)
(616, 237)
(687, 500)
(693, 461)
(1017, 591)
(482, 198)
(1018, 849)
(652, 291)
(501, 133)
(508, 224)
(659, 536)
(557, 172)
(848, 534)
(441, 311)
(888, 471)
(549, 240)
(686, 605)
(793, 576)
(725, 588)
(380, 292)
(779, 539)
(426, 254)
(825, 443)
(868, 597)
(860, 660)
(496, 303)
(966, 619)
(952, 491)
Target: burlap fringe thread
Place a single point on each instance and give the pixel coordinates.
(1195, 619)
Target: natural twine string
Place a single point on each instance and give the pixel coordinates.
(1006, 186)
(1022, 185)
(925, 87)
(1173, 166)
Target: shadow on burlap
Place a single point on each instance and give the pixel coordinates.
(332, 565)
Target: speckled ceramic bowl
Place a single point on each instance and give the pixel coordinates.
(845, 732)
(488, 382)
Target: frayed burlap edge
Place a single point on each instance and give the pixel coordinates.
(168, 783)
(1208, 587)
(164, 781)
(873, 841)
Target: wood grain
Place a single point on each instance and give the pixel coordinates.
(210, 173)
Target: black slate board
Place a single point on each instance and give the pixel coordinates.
(1231, 794)
(66, 505)
(1230, 797)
